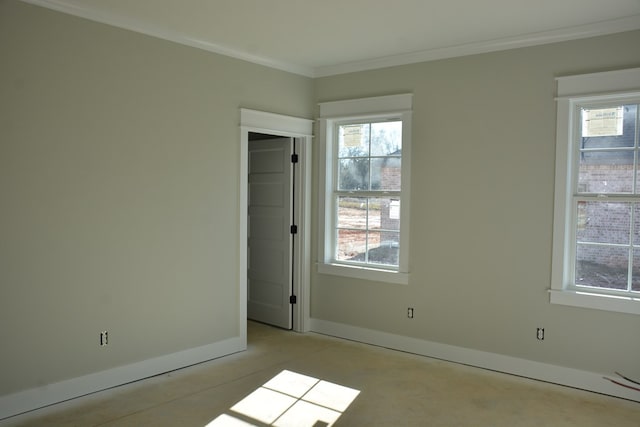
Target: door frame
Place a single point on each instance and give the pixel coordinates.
(301, 130)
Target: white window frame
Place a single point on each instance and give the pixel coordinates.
(574, 92)
(332, 114)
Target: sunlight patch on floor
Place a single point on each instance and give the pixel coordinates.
(290, 399)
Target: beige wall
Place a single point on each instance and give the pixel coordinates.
(481, 210)
(119, 192)
(119, 162)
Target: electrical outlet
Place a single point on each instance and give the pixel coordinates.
(104, 338)
(410, 313)
(540, 334)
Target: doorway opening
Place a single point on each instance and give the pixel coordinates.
(265, 139)
(271, 229)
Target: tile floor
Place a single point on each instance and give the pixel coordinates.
(290, 379)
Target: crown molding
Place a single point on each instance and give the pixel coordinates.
(145, 28)
(628, 23)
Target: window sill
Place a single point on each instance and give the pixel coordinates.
(583, 299)
(365, 273)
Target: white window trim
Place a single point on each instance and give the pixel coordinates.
(573, 91)
(331, 113)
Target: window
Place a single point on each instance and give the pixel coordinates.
(364, 214)
(596, 261)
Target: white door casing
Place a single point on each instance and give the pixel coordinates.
(301, 130)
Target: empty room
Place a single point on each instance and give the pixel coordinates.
(279, 212)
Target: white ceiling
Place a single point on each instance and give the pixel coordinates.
(325, 37)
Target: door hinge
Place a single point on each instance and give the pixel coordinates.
(294, 229)
(293, 299)
(294, 158)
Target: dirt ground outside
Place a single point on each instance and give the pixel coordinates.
(603, 276)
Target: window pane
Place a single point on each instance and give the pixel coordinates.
(352, 245)
(386, 139)
(353, 174)
(606, 172)
(380, 216)
(635, 279)
(602, 266)
(603, 222)
(606, 149)
(386, 174)
(384, 214)
(636, 224)
(369, 158)
(353, 140)
(384, 247)
(352, 212)
(609, 127)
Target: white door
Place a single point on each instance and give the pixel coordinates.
(269, 241)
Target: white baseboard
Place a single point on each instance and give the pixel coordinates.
(50, 394)
(570, 377)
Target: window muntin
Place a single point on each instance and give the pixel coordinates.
(606, 199)
(367, 193)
